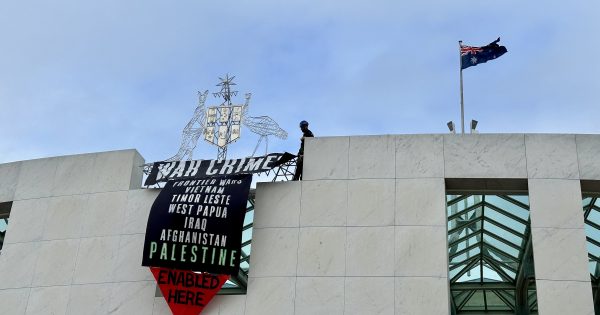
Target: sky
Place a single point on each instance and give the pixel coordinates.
(88, 76)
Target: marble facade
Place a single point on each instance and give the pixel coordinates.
(363, 233)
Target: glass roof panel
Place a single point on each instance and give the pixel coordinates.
(476, 302)
(508, 295)
(462, 296)
(503, 247)
(474, 273)
(594, 216)
(231, 287)
(456, 204)
(494, 303)
(593, 249)
(503, 259)
(509, 272)
(462, 243)
(524, 199)
(508, 206)
(457, 268)
(532, 300)
(246, 235)
(465, 256)
(490, 275)
(593, 268)
(592, 232)
(249, 218)
(3, 223)
(501, 232)
(465, 217)
(504, 219)
(464, 231)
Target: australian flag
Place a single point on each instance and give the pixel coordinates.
(472, 56)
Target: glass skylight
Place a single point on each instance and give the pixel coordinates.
(488, 238)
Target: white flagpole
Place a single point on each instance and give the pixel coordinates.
(462, 104)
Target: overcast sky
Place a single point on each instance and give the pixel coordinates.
(86, 76)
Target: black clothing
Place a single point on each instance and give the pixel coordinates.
(300, 161)
(305, 134)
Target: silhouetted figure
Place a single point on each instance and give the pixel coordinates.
(300, 163)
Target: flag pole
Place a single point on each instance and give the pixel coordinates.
(462, 104)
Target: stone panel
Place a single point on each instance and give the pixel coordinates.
(17, 264)
(319, 296)
(14, 301)
(422, 295)
(324, 203)
(129, 260)
(370, 251)
(27, 221)
(89, 299)
(370, 202)
(230, 304)
(277, 204)
(555, 203)
(560, 254)
(270, 296)
(588, 151)
(75, 175)
(372, 157)
(136, 214)
(322, 251)
(48, 300)
(419, 156)
(551, 156)
(36, 178)
(213, 308)
(113, 170)
(369, 296)
(64, 217)
(132, 298)
(161, 307)
(56, 262)
(274, 252)
(104, 213)
(421, 251)
(564, 297)
(96, 260)
(9, 175)
(137, 174)
(420, 202)
(326, 158)
(484, 156)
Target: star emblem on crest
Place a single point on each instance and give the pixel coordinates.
(473, 60)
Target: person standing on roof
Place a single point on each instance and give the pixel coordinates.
(300, 163)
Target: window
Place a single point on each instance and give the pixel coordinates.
(4, 214)
(591, 214)
(490, 254)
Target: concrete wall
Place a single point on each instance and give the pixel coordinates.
(75, 236)
(364, 233)
(338, 243)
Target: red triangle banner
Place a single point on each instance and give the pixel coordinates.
(187, 292)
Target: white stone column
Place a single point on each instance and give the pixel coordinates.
(557, 226)
(272, 278)
(420, 237)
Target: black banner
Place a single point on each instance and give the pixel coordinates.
(164, 171)
(196, 224)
